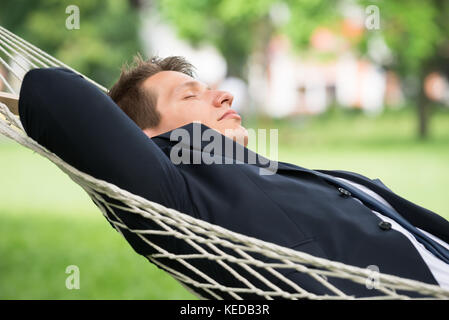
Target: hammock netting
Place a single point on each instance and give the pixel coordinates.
(257, 268)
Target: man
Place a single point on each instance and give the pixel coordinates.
(337, 215)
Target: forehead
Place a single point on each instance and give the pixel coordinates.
(169, 82)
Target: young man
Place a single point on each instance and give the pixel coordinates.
(337, 215)
(161, 95)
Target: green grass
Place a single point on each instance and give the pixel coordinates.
(47, 222)
(36, 250)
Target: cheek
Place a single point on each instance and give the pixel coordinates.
(180, 113)
(175, 117)
(197, 112)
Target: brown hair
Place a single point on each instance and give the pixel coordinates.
(137, 103)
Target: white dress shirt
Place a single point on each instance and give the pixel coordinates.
(438, 268)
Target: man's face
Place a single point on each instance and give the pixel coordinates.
(182, 100)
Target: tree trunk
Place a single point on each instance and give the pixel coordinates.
(423, 109)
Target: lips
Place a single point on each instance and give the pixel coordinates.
(230, 114)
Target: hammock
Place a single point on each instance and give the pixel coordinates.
(236, 254)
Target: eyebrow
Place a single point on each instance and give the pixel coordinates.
(191, 83)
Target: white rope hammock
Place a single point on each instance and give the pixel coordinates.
(234, 253)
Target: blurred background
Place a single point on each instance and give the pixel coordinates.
(352, 85)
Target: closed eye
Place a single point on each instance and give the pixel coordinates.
(188, 97)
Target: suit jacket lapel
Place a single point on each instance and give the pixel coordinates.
(418, 216)
(226, 148)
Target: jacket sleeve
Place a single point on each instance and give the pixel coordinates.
(75, 120)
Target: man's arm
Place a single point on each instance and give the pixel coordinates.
(72, 118)
(82, 125)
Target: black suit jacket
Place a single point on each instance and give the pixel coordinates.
(293, 208)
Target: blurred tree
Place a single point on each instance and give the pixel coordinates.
(417, 33)
(238, 28)
(107, 37)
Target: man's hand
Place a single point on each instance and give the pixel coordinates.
(11, 101)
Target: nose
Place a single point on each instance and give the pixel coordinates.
(221, 98)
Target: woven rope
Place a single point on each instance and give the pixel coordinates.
(208, 241)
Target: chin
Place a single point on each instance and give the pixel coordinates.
(238, 133)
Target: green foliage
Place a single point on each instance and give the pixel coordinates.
(415, 31)
(107, 36)
(229, 25)
(239, 28)
(306, 16)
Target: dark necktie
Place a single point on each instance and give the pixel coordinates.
(434, 247)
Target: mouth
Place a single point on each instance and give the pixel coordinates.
(230, 114)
